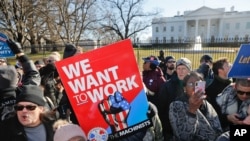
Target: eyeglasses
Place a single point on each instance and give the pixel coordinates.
(28, 107)
(190, 84)
(242, 93)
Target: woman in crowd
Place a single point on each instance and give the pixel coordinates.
(191, 116)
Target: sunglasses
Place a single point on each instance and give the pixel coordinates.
(28, 107)
(242, 93)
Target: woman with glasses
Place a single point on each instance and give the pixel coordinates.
(191, 117)
(30, 122)
(234, 102)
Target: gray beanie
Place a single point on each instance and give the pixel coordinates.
(8, 77)
(31, 93)
(184, 61)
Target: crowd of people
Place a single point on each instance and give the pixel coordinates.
(33, 100)
(35, 106)
(187, 114)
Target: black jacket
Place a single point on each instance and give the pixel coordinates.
(169, 91)
(12, 130)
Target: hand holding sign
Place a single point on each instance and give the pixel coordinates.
(14, 46)
(115, 111)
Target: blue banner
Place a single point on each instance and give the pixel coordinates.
(241, 65)
(4, 48)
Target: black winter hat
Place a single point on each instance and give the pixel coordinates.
(168, 58)
(206, 58)
(31, 93)
(69, 50)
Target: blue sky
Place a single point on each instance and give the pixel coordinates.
(170, 7)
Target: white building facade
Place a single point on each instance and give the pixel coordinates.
(207, 23)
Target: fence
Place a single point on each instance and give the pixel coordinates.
(144, 49)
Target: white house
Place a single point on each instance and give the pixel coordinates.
(207, 23)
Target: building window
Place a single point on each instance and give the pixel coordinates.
(172, 28)
(172, 39)
(164, 28)
(246, 38)
(227, 26)
(180, 28)
(237, 26)
(156, 29)
(156, 40)
(248, 25)
(164, 39)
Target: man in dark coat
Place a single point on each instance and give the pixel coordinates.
(169, 92)
(10, 86)
(30, 122)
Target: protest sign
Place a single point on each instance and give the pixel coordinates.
(4, 48)
(241, 65)
(106, 91)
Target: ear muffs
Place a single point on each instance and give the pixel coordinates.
(153, 66)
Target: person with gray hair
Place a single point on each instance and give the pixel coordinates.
(169, 91)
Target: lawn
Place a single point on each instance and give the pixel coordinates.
(192, 55)
(144, 52)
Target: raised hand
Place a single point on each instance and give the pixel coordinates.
(14, 46)
(115, 110)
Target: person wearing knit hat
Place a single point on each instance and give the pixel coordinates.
(65, 131)
(206, 58)
(8, 83)
(169, 92)
(8, 78)
(31, 121)
(69, 50)
(31, 93)
(184, 61)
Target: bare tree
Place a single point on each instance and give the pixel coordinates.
(55, 21)
(126, 17)
(73, 18)
(14, 15)
(22, 21)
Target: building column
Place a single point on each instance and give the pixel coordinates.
(220, 28)
(208, 29)
(185, 30)
(196, 28)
